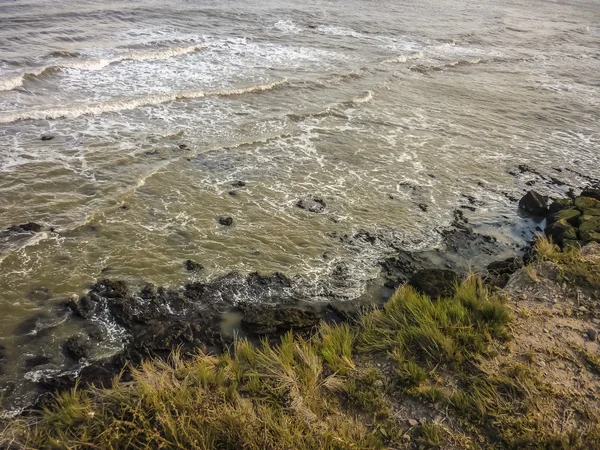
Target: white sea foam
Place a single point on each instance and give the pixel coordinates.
(126, 104)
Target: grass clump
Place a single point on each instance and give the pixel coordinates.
(573, 267)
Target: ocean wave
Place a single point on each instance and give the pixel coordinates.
(60, 112)
(403, 58)
(16, 81)
(437, 67)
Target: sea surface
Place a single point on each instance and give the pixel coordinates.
(393, 113)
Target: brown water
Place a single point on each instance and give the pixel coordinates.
(376, 107)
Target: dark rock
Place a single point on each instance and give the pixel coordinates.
(30, 227)
(584, 203)
(499, 272)
(183, 147)
(233, 193)
(110, 288)
(193, 266)
(77, 347)
(46, 137)
(124, 207)
(29, 325)
(570, 244)
(273, 321)
(226, 221)
(423, 207)
(35, 361)
(314, 204)
(561, 230)
(238, 184)
(559, 204)
(592, 193)
(570, 215)
(534, 203)
(435, 283)
(592, 334)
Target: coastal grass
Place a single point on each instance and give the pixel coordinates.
(338, 389)
(574, 268)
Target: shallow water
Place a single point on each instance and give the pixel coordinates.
(376, 107)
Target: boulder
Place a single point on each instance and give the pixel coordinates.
(499, 272)
(435, 283)
(193, 266)
(534, 203)
(570, 215)
(226, 221)
(572, 244)
(312, 204)
(77, 347)
(264, 320)
(589, 223)
(561, 230)
(583, 203)
(589, 236)
(559, 204)
(592, 193)
(591, 212)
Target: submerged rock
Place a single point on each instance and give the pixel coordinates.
(193, 266)
(238, 184)
(312, 204)
(534, 203)
(29, 227)
(46, 137)
(35, 361)
(264, 320)
(435, 283)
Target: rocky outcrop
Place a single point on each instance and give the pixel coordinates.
(573, 223)
(264, 320)
(534, 203)
(435, 283)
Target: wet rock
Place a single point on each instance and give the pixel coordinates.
(233, 193)
(435, 283)
(77, 347)
(499, 272)
(583, 203)
(561, 230)
(423, 207)
(226, 221)
(238, 184)
(29, 227)
(46, 137)
(2, 358)
(35, 361)
(589, 236)
(534, 203)
(570, 215)
(264, 320)
(193, 266)
(110, 288)
(312, 204)
(559, 204)
(592, 193)
(183, 147)
(149, 291)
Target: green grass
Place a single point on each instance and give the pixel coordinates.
(336, 390)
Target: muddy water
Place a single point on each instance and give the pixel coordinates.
(378, 108)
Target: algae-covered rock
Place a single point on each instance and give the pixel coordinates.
(589, 236)
(559, 204)
(561, 230)
(435, 283)
(570, 215)
(534, 203)
(586, 203)
(591, 212)
(589, 223)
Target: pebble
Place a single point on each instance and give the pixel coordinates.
(413, 422)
